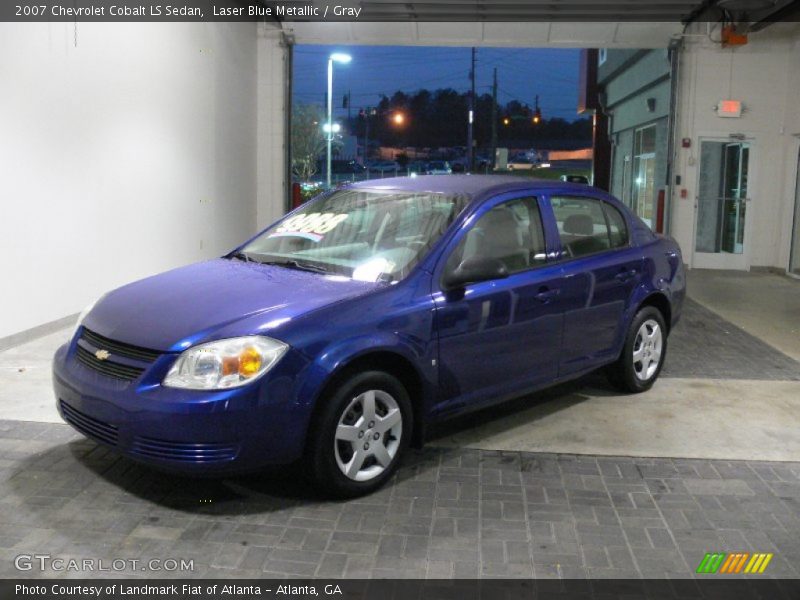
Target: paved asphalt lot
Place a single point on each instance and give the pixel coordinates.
(449, 512)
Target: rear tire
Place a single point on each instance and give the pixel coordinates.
(643, 353)
(360, 435)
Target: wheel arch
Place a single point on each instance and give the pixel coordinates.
(389, 362)
(659, 301)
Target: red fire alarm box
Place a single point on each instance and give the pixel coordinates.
(686, 143)
(730, 37)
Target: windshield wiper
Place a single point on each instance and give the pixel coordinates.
(241, 256)
(293, 264)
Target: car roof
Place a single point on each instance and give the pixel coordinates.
(472, 185)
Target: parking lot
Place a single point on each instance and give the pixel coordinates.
(577, 481)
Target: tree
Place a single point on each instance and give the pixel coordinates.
(308, 139)
(438, 118)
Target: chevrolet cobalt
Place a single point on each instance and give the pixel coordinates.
(338, 335)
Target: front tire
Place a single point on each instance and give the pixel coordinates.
(360, 434)
(643, 354)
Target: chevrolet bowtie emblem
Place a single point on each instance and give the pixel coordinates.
(102, 354)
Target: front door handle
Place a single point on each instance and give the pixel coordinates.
(624, 276)
(546, 294)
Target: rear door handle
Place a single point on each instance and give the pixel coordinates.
(546, 294)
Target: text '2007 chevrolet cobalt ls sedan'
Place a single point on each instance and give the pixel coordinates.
(339, 333)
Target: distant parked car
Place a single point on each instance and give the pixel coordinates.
(385, 166)
(417, 166)
(575, 179)
(521, 163)
(341, 171)
(340, 166)
(439, 167)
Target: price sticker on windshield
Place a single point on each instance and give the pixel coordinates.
(312, 226)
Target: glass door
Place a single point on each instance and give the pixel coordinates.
(644, 174)
(794, 260)
(722, 199)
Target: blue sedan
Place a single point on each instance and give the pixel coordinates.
(338, 335)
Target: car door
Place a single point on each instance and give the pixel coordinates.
(498, 337)
(601, 271)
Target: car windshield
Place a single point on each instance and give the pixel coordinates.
(366, 235)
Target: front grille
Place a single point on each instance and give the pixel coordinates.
(90, 342)
(89, 426)
(119, 348)
(107, 367)
(184, 452)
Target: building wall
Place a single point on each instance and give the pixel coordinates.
(126, 150)
(612, 60)
(273, 77)
(630, 78)
(764, 76)
(791, 127)
(633, 74)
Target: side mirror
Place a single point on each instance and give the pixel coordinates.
(473, 270)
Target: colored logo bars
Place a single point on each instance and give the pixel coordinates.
(736, 562)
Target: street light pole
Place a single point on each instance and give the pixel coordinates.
(470, 142)
(366, 137)
(344, 59)
(330, 119)
(493, 157)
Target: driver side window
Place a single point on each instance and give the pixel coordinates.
(511, 232)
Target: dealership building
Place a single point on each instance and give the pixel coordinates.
(707, 134)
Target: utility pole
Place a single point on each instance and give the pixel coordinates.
(366, 135)
(470, 157)
(493, 158)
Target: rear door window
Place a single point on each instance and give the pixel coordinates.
(617, 229)
(583, 227)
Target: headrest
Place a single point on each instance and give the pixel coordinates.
(499, 217)
(579, 225)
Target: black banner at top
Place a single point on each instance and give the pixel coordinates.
(399, 11)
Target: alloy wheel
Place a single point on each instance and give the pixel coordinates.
(368, 435)
(647, 349)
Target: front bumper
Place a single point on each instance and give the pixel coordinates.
(189, 431)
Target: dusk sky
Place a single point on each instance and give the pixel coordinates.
(376, 70)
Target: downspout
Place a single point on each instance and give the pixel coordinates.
(674, 74)
(287, 42)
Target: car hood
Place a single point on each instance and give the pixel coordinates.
(214, 299)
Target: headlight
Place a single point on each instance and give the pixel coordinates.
(81, 317)
(225, 363)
